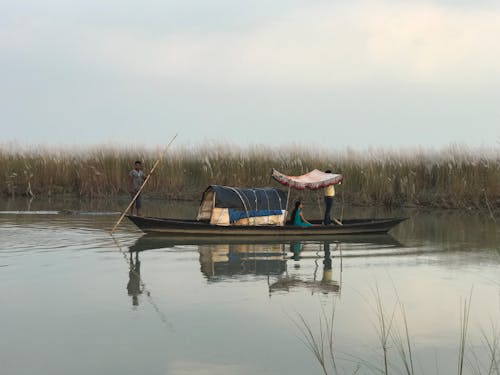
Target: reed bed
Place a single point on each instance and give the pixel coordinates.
(455, 176)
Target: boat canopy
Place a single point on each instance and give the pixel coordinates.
(225, 205)
(313, 180)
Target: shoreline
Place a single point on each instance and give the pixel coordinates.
(195, 199)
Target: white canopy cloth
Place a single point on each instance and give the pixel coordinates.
(313, 180)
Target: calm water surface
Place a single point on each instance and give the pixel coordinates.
(77, 301)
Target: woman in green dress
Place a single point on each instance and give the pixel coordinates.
(297, 216)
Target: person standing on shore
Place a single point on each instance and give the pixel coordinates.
(136, 178)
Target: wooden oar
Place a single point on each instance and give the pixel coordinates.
(337, 221)
(142, 186)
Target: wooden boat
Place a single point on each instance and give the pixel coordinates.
(199, 228)
(230, 211)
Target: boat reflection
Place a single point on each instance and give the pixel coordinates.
(286, 265)
(227, 260)
(156, 241)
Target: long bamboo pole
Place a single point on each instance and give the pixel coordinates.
(287, 201)
(142, 186)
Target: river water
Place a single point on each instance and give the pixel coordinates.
(77, 301)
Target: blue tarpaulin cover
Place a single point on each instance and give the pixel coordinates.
(247, 199)
(235, 215)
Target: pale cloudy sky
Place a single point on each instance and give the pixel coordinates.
(329, 73)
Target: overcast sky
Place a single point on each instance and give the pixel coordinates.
(330, 73)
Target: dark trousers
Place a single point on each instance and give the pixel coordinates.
(138, 201)
(328, 208)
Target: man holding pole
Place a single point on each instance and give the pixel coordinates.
(136, 178)
(140, 183)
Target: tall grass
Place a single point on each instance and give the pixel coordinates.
(396, 347)
(464, 325)
(450, 177)
(320, 346)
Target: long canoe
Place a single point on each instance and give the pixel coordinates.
(198, 228)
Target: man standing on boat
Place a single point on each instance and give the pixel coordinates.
(329, 194)
(136, 178)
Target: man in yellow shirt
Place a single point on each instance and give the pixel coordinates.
(329, 194)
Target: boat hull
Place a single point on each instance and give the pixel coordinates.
(196, 228)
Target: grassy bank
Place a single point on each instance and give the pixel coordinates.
(451, 177)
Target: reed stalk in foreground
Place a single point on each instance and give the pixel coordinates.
(385, 323)
(403, 344)
(489, 364)
(493, 345)
(464, 325)
(320, 346)
(390, 336)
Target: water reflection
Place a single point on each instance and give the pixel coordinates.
(158, 241)
(286, 265)
(230, 260)
(134, 287)
(325, 284)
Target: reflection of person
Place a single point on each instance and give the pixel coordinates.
(296, 248)
(327, 264)
(297, 216)
(134, 279)
(136, 176)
